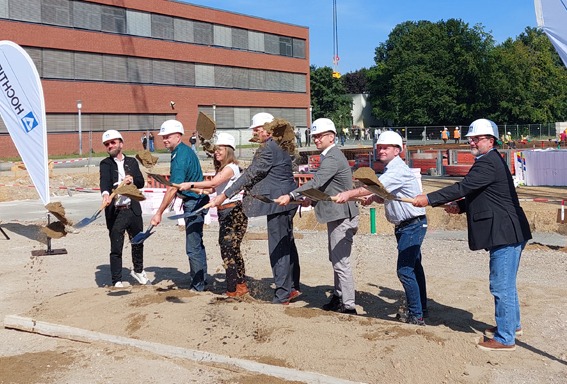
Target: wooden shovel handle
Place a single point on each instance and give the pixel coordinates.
(358, 199)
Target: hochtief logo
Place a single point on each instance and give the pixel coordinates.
(29, 122)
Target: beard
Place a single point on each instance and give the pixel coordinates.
(114, 152)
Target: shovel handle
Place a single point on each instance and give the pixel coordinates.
(405, 199)
(357, 199)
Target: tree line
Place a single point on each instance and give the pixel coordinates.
(447, 73)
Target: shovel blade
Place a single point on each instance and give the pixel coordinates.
(142, 236)
(86, 221)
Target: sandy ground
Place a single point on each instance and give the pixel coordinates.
(71, 290)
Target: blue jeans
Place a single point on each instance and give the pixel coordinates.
(504, 263)
(410, 270)
(194, 246)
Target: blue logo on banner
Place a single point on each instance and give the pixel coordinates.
(29, 122)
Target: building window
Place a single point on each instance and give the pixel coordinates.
(56, 12)
(285, 46)
(113, 19)
(162, 27)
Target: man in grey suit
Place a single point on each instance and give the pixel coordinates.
(496, 222)
(333, 176)
(270, 174)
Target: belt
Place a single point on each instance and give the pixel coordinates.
(122, 207)
(227, 206)
(413, 220)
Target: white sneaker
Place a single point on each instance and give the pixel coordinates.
(141, 277)
(119, 284)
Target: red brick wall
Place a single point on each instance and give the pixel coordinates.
(103, 98)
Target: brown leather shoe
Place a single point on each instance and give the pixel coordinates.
(241, 289)
(493, 345)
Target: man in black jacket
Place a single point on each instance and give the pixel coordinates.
(496, 222)
(122, 213)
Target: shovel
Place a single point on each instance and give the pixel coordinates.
(87, 220)
(142, 236)
(317, 195)
(189, 214)
(378, 189)
(266, 199)
(162, 180)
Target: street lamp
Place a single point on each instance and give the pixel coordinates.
(215, 113)
(310, 115)
(79, 106)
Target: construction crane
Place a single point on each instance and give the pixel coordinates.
(336, 58)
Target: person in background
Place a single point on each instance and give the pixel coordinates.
(151, 142)
(270, 174)
(495, 222)
(333, 176)
(232, 220)
(122, 213)
(298, 137)
(185, 167)
(193, 141)
(457, 135)
(307, 137)
(445, 135)
(144, 140)
(410, 223)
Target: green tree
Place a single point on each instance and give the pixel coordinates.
(432, 73)
(328, 97)
(356, 82)
(530, 80)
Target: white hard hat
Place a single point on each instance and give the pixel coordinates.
(171, 126)
(322, 125)
(260, 119)
(227, 139)
(390, 138)
(483, 127)
(111, 134)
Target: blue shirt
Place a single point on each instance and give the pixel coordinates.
(185, 167)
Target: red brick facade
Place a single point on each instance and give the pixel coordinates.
(99, 97)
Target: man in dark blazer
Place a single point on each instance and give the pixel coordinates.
(496, 222)
(122, 213)
(333, 176)
(270, 174)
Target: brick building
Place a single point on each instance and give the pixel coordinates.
(128, 60)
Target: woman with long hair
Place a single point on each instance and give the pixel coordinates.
(232, 220)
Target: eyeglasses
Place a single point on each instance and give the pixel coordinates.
(107, 143)
(319, 136)
(476, 139)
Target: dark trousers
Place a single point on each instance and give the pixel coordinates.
(125, 220)
(233, 223)
(284, 258)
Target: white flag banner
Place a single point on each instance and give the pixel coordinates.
(23, 110)
(551, 16)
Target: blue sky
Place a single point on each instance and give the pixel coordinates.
(364, 24)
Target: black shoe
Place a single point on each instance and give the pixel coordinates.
(411, 319)
(333, 305)
(347, 311)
